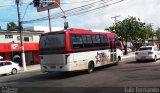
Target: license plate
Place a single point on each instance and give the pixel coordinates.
(143, 57)
(52, 66)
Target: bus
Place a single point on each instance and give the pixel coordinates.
(78, 49)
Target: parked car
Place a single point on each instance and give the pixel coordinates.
(129, 50)
(147, 53)
(8, 67)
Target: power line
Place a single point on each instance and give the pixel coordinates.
(70, 11)
(78, 2)
(63, 3)
(66, 11)
(78, 10)
(6, 5)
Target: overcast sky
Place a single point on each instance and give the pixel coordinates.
(146, 10)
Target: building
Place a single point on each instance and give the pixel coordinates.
(14, 36)
(10, 46)
(154, 41)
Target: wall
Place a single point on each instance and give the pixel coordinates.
(34, 37)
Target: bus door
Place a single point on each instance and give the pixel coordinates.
(113, 51)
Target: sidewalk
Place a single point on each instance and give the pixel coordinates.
(31, 68)
(37, 66)
(132, 54)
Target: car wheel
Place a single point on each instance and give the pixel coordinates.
(14, 71)
(90, 67)
(155, 58)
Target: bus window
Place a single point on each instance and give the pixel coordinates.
(118, 43)
(52, 42)
(77, 41)
(87, 40)
(104, 41)
(96, 40)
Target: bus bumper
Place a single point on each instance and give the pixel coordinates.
(60, 68)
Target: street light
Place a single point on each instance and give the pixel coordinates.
(64, 15)
(26, 10)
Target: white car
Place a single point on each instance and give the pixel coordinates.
(7, 67)
(147, 53)
(129, 50)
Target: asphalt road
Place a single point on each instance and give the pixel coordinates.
(110, 78)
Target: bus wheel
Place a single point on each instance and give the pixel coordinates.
(90, 67)
(118, 60)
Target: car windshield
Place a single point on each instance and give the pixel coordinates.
(145, 48)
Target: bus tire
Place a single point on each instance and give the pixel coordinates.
(90, 67)
(118, 60)
(155, 58)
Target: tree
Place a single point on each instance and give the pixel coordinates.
(11, 26)
(131, 29)
(158, 33)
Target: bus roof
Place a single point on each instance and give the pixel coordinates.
(79, 31)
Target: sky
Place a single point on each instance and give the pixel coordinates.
(146, 10)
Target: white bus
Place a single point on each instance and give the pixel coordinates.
(78, 49)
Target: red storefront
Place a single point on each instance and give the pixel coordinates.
(9, 50)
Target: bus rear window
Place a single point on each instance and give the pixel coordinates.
(52, 42)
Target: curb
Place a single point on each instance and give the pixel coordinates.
(21, 71)
(128, 56)
(31, 68)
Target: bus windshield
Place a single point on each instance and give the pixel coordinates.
(52, 42)
(118, 43)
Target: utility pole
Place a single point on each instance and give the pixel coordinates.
(151, 24)
(114, 48)
(49, 20)
(21, 37)
(115, 19)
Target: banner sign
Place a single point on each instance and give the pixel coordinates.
(48, 4)
(14, 46)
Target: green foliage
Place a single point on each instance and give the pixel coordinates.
(11, 26)
(131, 29)
(158, 33)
